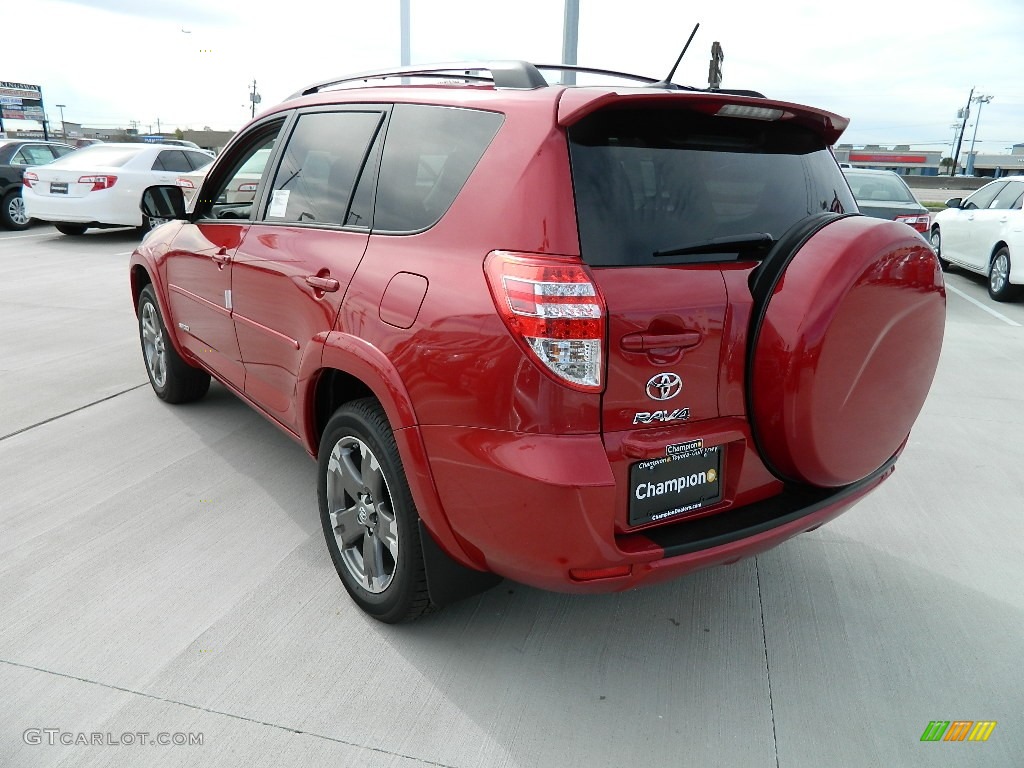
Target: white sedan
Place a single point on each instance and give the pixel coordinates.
(102, 185)
(985, 234)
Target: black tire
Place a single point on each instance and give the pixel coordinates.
(936, 241)
(12, 211)
(67, 228)
(173, 379)
(379, 522)
(999, 286)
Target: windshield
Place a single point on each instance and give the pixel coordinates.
(651, 181)
(878, 186)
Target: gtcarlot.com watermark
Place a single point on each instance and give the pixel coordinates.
(54, 736)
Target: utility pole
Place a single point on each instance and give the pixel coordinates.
(963, 127)
(570, 39)
(254, 98)
(981, 100)
(63, 128)
(158, 125)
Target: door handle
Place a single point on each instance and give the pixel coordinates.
(326, 284)
(222, 257)
(643, 342)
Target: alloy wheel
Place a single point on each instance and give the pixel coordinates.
(1000, 273)
(153, 345)
(361, 513)
(16, 210)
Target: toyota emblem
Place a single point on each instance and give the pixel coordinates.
(664, 386)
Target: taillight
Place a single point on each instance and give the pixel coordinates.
(29, 179)
(554, 311)
(247, 187)
(918, 222)
(184, 183)
(98, 182)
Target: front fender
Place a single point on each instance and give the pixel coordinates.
(149, 259)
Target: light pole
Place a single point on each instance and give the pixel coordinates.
(981, 100)
(63, 130)
(570, 39)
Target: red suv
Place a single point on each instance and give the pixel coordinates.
(585, 338)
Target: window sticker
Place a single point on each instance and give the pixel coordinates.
(279, 203)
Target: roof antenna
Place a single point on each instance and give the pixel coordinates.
(667, 82)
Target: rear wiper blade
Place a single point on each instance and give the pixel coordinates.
(733, 244)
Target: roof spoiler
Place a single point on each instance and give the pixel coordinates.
(576, 104)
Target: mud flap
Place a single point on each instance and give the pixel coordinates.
(447, 580)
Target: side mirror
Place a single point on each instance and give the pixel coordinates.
(954, 202)
(164, 202)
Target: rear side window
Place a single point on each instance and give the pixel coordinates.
(172, 160)
(655, 180)
(429, 154)
(322, 162)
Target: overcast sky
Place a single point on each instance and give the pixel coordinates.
(899, 71)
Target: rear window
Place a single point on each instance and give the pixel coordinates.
(655, 180)
(101, 155)
(868, 187)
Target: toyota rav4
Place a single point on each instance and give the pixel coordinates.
(585, 338)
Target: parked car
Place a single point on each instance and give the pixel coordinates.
(15, 156)
(102, 185)
(586, 338)
(885, 195)
(985, 234)
(177, 143)
(243, 184)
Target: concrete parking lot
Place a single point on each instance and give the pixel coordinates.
(162, 571)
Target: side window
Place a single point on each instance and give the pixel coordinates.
(984, 196)
(172, 160)
(61, 151)
(1009, 196)
(429, 154)
(320, 167)
(231, 187)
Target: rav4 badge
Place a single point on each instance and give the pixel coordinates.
(679, 414)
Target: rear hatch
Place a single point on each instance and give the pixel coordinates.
(667, 194)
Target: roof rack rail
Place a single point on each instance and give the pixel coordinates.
(504, 74)
(593, 71)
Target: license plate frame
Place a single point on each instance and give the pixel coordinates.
(674, 485)
(58, 187)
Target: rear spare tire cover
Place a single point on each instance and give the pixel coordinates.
(844, 350)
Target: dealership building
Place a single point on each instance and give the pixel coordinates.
(908, 162)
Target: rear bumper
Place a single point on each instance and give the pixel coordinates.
(536, 508)
(100, 207)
